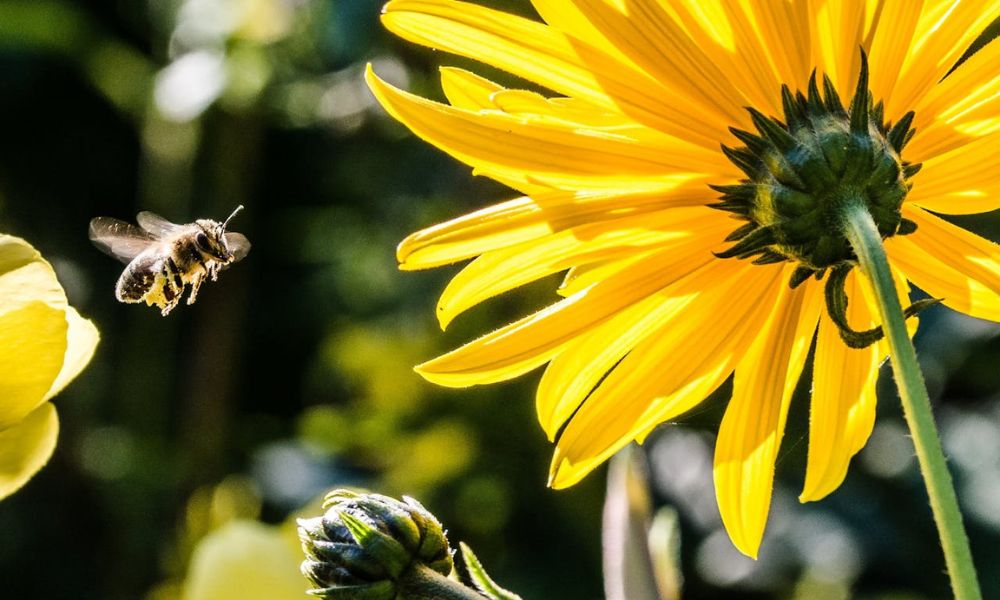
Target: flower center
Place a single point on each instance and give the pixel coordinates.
(803, 172)
(800, 172)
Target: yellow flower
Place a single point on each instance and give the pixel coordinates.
(44, 344)
(615, 166)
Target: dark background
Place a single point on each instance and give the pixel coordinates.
(292, 374)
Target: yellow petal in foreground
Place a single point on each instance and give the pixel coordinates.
(842, 411)
(32, 347)
(536, 339)
(700, 344)
(751, 430)
(26, 447)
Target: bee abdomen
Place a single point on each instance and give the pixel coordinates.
(137, 279)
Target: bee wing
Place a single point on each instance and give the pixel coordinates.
(157, 225)
(238, 244)
(119, 239)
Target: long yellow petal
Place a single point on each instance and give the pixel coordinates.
(752, 427)
(976, 257)
(839, 32)
(651, 37)
(548, 152)
(577, 370)
(962, 181)
(26, 447)
(785, 33)
(502, 270)
(958, 110)
(534, 340)
(523, 219)
(975, 295)
(891, 42)
(467, 90)
(32, 348)
(842, 411)
(671, 371)
(944, 29)
(547, 57)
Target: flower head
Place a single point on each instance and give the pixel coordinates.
(621, 167)
(44, 344)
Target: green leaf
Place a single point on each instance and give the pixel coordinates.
(479, 578)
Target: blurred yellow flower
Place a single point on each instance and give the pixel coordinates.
(247, 560)
(615, 170)
(44, 344)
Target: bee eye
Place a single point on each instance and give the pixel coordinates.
(202, 240)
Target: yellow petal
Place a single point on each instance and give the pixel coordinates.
(962, 181)
(944, 29)
(948, 115)
(82, 338)
(650, 36)
(548, 57)
(754, 422)
(967, 278)
(842, 411)
(26, 277)
(839, 32)
(946, 280)
(672, 370)
(523, 219)
(584, 276)
(26, 447)
(785, 34)
(502, 270)
(467, 90)
(548, 152)
(32, 348)
(534, 340)
(891, 43)
(574, 373)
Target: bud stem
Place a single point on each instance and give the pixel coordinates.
(860, 230)
(420, 582)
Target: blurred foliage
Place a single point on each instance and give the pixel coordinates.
(292, 374)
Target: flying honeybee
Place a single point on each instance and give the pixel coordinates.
(164, 258)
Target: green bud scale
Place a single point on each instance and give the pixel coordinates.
(801, 172)
(365, 543)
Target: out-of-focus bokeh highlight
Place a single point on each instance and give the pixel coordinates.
(191, 442)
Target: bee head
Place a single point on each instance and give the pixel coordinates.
(212, 238)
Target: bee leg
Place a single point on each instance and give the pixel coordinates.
(173, 286)
(213, 270)
(195, 285)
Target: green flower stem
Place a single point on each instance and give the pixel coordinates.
(420, 582)
(860, 230)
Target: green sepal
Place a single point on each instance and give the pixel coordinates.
(381, 590)
(799, 276)
(480, 580)
(833, 103)
(859, 116)
(836, 308)
(383, 548)
(906, 227)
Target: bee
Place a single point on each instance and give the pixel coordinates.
(164, 258)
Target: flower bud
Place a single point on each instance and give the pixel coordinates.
(364, 543)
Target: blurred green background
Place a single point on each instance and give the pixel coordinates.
(292, 374)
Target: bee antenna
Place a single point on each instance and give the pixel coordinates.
(238, 209)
